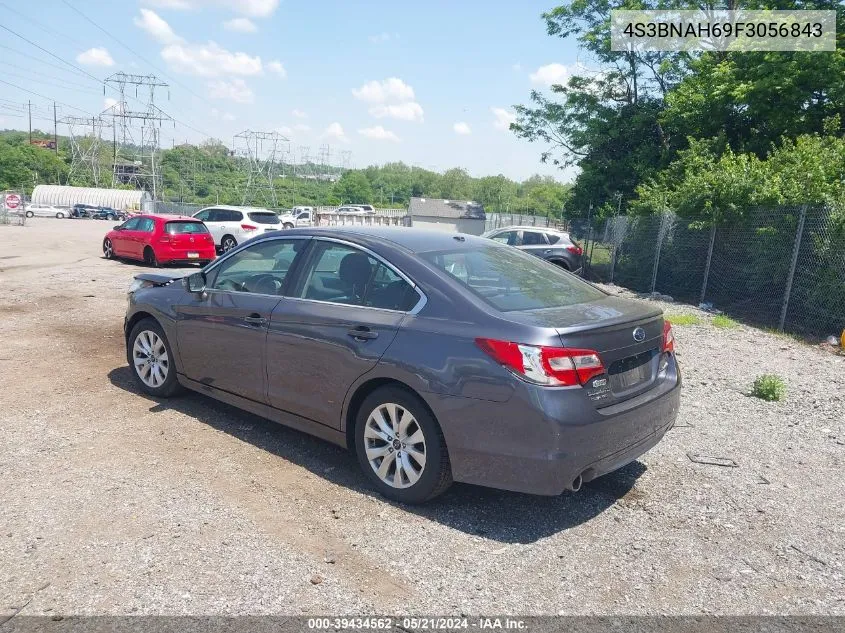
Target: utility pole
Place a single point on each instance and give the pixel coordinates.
(55, 129)
(29, 105)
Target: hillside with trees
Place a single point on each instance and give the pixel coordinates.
(208, 173)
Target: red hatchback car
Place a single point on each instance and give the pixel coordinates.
(160, 239)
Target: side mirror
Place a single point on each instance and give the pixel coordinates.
(195, 282)
(118, 227)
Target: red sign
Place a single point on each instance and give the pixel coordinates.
(13, 201)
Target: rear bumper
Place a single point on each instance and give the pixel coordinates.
(172, 256)
(539, 442)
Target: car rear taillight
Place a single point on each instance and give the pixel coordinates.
(249, 227)
(575, 249)
(555, 366)
(668, 337)
(164, 239)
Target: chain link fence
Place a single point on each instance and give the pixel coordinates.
(781, 268)
(499, 220)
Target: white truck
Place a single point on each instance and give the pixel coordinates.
(298, 216)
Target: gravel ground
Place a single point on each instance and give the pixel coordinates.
(117, 504)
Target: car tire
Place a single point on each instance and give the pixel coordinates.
(228, 243)
(147, 340)
(287, 225)
(108, 249)
(561, 264)
(412, 486)
(60, 215)
(150, 258)
(30, 214)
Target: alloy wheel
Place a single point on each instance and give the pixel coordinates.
(150, 359)
(229, 244)
(108, 249)
(395, 445)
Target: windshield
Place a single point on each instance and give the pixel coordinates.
(183, 227)
(265, 217)
(509, 279)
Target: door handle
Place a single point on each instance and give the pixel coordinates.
(255, 319)
(362, 333)
(547, 251)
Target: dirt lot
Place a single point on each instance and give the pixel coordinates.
(116, 504)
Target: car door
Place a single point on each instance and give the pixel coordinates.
(535, 243)
(142, 237)
(303, 219)
(511, 238)
(344, 312)
(222, 331)
(123, 238)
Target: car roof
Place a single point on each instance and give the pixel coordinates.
(546, 229)
(229, 207)
(166, 218)
(411, 239)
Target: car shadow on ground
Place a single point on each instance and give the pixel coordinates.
(498, 515)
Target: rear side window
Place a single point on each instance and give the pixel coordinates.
(509, 279)
(147, 225)
(553, 238)
(234, 216)
(532, 238)
(263, 218)
(184, 228)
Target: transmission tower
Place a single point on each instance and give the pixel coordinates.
(345, 159)
(137, 132)
(305, 167)
(259, 151)
(86, 140)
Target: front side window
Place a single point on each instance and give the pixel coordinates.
(507, 237)
(261, 268)
(343, 274)
(131, 225)
(509, 279)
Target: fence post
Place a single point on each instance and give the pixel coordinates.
(795, 248)
(707, 267)
(657, 251)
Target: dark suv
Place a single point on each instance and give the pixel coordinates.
(554, 246)
(83, 211)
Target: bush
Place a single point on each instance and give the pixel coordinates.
(682, 319)
(769, 387)
(724, 322)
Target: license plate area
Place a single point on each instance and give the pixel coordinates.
(631, 372)
(193, 255)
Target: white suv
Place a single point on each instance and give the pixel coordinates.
(232, 225)
(299, 216)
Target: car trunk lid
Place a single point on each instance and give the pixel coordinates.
(187, 236)
(626, 335)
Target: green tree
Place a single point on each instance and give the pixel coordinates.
(353, 187)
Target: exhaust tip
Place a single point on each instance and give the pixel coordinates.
(575, 486)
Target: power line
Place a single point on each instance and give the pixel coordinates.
(41, 48)
(64, 36)
(46, 63)
(52, 81)
(67, 105)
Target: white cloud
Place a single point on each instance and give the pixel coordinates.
(210, 60)
(383, 37)
(156, 27)
(240, 25)
(252, 8)
(276, 67)
(379, 133)
(109, 103)
(299, 114)
(461, 128)
(503, 118)
(550, 74)
(235, 90)
(290, 131)
(391, 89)
(225, 116)
(410, 111)
(95, 57)
(335, 131)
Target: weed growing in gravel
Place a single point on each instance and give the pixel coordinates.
(769, 387)
(682, 319)
(724, 322)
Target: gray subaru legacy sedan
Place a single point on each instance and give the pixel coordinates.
(435, 357)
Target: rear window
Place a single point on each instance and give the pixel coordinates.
(553, 238)
(264, 218)
(186, 227)
(509, 279)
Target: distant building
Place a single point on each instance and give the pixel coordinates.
(45, 143)
(123, 199)
(447, 215)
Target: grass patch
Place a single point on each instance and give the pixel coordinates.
(683, 319)
(724, 322)
(769, 387)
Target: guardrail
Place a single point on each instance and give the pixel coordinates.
(336, 219)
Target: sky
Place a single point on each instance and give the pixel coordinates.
(429, 83)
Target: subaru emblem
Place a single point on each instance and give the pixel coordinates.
(639, 335)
